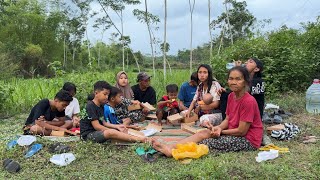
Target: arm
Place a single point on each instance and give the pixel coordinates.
(97, 126)
(190, 108)
(153, 99)
(60, 122)
(163, 102)
(119, 127)
(181, 106)
(241, 130)
(42, 123)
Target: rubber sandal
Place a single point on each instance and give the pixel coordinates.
(12, 144)
(59, 148)
(11, 166)
(33, 149)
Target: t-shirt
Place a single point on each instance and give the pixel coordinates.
(93, 112)
(148, 95)
(174, 104)
(245, 109)
(187, 93)
(110, 115)
(72, 108)
(42, 108)
(213, 91)
(257, 90)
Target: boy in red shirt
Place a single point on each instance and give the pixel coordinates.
(168, 104)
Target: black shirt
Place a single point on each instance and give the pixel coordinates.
(42, 108)
(257, 90)
(144, 96)
(93, 112)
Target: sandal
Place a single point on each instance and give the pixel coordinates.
(11, 166)
(33, 149)
(59, 148)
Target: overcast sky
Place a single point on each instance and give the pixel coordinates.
(288, 12)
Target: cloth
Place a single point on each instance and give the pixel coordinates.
(42, 108)
(122, 111)
(174, 104)
(213, 91)
(126, 90)
(187, 93)
(245, 109)
(228, 143)
(93, 113)
(257, 89)
(214, 119)
(96, 136)
(144, 96)
(72, 108)
(110, 115)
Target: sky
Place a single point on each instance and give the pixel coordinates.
(281, 12)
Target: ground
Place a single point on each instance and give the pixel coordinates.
(96, 161)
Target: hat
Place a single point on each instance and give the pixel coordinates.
(143, 76)
(259, 63)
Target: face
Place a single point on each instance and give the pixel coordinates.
(203, 74)
(251, 65)
(172, 95)
(117, 99)
(102, 96)
(61, 105)
(123, 80)
(144, 83)
(236, 81)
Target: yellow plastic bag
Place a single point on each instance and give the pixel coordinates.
(189, 150)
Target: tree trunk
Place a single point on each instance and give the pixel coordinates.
(191, 8)
(122, 40)
(210, 30)
(165, 40)
(229, 26)
(151, 42)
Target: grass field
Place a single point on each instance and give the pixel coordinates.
(106, 161)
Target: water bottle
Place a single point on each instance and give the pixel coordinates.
(313, 97)
(231, 65)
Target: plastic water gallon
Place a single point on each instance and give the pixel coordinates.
(313, 97)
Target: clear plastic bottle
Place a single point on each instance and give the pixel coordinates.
(231, 65)
(313, 97)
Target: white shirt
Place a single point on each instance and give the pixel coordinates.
(213, 91)
(72, 108)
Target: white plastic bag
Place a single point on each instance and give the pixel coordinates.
(62, 159)
(271, 106)
(267, 155)
(26, 140)
(149, 132)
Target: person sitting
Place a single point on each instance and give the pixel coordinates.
(142, 91)
(187, 92)
(110, 116)
(73, 109)
(127, 99)
(168, 104)
(207, 85)
(92, 125)
(48, 115)
(242, 128)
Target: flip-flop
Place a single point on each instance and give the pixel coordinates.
(33, 149)
(59, 148)
(11, 166)
(12, 144)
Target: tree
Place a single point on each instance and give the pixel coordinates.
(148, 18)
(164, 45)
(191, 8)
(238, 19)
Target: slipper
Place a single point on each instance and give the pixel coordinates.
(33, 149)
(58, 148)
(11, 166)
(147, 156)
(11, 144)
(310, 139)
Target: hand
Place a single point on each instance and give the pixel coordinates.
(135, 102)
(168, 101)
(187, 114)
(216, 131)
(220, 91)
(145, 110)
(197, 109)
(41, 118)
(122, 128)
(237, 63)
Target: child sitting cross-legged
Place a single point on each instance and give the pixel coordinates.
(115, 98)
(92, 126)
(168, 104)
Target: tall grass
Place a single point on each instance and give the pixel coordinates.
(27, 92)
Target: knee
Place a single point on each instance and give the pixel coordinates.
(109, 133)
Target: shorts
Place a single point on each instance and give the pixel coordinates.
(215, 119)
(96, 136)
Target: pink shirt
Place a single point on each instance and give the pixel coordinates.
(245, 109)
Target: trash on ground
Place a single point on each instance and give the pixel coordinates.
(26, 140)
(267, 155)
(62, 159)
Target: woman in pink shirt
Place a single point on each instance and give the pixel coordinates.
(242, 128)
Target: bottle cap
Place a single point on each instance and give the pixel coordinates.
(316, 81)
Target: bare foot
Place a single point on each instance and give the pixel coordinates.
(166, 150)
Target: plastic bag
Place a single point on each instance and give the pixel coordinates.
(189, 150)
(26, 140)
(267, 155)
(62, 159)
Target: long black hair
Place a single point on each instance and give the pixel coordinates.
(210, 75)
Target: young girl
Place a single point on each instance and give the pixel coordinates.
(242, 128)
(207, 84)
(121, 109)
